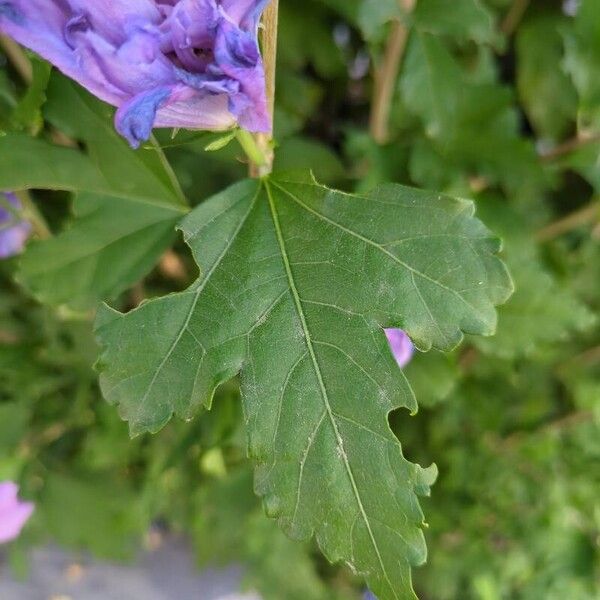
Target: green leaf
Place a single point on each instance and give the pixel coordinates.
(546, 92)
(300, 153)
(470, 127)
(542, 311)
(228, 513)
(26, 162)
(221, 141)
(111, 244)
(124, 215)
(431, 84)
(582, 61)
(143, 174)
(297, 282)
(103, 515)
(467, 20)
(8, 99)
(27, 113)
(368, 15)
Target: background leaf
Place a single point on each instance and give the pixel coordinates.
(111, 244)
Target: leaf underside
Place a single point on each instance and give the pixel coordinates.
(297, 284)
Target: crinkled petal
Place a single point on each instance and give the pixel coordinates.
(137, 65)
(197, 111)
(135, 118)
(172, 106)
(237, 55)
(189, 32)
(40, 26)
(114, 19)
(175, 63)
(245, 13)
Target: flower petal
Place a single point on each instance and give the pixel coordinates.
(8, 494)
(245, 13)
(237, 55)
(13, 232)
(401, 346)
(177, 63)
(196, 111)
(13, 520)
(40, 26)
(13, 513)
(135, 118)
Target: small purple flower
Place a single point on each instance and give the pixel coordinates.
(14, 231)
(13, 513)
(401, 346)
(191, 64)
(368, 595)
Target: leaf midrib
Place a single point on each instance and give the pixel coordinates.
(317, 369)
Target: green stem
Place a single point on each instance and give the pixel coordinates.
(514, 16)
(386, 76)
(175, 185)
(580, 218)
(253, 151)
(18, 58)
(264, 141)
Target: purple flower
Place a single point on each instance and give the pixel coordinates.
(191, 64)
(368, 595)
(401, 346)
(13, 230)
(13, 513)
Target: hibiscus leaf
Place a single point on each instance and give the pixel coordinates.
(297, 282)
(125, 210)
(26, 162)
(144, 174)
(30, 163)
(111, 244)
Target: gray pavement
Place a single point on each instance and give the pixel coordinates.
(165, 573)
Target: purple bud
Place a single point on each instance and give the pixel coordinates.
(401, 346)
(13, 513)
(192, 64)
(14, 231)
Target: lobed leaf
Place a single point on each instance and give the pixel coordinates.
(296, 286)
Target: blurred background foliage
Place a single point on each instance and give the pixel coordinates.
(496, 100)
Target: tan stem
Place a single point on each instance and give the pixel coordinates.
(172, 267)
(32, 214)
(269, 52)
(386, 76)
(514, 16)
(562, 424)
(586, 215)
(18, 58)
(569, 146)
